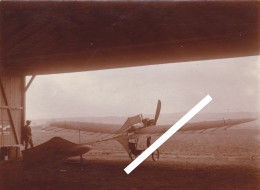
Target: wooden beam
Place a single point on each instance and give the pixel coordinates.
(8, 110)
(29, 83)
(11, 108)
(23, 104)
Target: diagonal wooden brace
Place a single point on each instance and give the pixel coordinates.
(29, 83)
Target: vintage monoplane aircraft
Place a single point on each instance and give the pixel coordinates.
(136, 127)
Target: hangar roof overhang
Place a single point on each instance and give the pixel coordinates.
(55, 37)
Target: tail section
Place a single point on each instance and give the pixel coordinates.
(123, 140)
(130, 121)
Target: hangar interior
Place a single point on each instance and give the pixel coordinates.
(56, 37)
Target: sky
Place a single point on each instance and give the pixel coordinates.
(232, 83)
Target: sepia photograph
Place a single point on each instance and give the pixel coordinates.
(114, 94)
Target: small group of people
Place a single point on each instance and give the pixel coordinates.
(27, 134)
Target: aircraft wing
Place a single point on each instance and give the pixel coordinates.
(96, 132)
(83, 132)
(196, 126)
(101, 132)
(87, 126)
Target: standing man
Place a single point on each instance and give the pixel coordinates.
(27, 134)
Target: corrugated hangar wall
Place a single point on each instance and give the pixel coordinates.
(12, 108)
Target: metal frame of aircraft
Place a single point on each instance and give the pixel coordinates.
(136, 127)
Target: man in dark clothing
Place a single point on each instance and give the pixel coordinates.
(148, 141)
(27, 134)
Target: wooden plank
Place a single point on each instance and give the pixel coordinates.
(8, 110)
(29, 83)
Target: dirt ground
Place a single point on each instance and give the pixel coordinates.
(109, 174)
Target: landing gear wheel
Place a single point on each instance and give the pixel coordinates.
(132, 156)
(155, 155)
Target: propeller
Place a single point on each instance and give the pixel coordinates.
(150, 122)
(157, 113)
